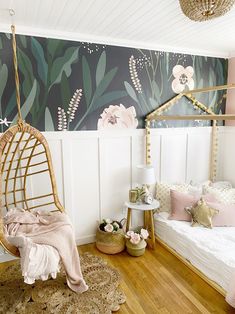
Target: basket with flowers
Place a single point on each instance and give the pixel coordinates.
(135, 241)
(110, 238)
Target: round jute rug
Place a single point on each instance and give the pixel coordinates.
(54, 296)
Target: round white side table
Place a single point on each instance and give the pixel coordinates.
(148, 210)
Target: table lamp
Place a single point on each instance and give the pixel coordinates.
(145, 177)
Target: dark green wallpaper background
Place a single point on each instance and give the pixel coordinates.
(67, 85)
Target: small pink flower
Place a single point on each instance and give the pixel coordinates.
(118, 117)
(144, 234)
(183, 77)
(135, 238)
(108, 228)
(129, 233)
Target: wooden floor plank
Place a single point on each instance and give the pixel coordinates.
(158, 283)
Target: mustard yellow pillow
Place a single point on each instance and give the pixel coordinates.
(202, 214)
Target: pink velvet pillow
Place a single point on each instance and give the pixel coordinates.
(226, 215)
(181, 200)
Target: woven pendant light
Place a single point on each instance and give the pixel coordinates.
(203, 10)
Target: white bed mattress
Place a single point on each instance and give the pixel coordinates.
(212, 251)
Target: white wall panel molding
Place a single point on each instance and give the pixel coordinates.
(115, 169)
(84, 185)
(173, 158)
(66, 171)
(99, 180)
(198, 160)
(226, 155)
(95, 169)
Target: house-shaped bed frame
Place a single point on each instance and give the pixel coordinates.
(158, 115)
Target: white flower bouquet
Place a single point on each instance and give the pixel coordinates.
(110, 237)
(109, 225)
(136, 236)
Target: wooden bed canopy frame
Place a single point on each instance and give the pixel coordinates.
(158, 115)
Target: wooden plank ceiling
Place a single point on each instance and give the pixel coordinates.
(153, 24)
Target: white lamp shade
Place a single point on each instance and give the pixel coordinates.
(145, 174)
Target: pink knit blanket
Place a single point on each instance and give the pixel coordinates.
(52, 229)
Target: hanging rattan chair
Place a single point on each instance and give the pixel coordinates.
(25, 162)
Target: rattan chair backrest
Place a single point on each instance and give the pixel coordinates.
(26, 175)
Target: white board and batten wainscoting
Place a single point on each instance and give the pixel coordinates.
(95, 170)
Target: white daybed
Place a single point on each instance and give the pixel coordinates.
(209, 250)
(206, 250)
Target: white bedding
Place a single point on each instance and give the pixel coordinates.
(212, 251)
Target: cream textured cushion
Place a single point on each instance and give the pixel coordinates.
(197, 187)
(225, 196)
(202, 213)
(222, 185)
(163, 194)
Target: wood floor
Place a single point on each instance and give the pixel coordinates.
(158, 282)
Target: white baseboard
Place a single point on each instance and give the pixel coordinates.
(86, 240)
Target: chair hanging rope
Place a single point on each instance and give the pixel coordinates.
(17, 81)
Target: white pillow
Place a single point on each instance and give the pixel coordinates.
(222, 185)
(197, 187)
(163, 194)
(224, 196)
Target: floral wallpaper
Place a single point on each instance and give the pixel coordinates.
(67, 85)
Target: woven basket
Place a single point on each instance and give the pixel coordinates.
(136, 249)
(109, 242)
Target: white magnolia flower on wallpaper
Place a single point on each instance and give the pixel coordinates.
(118, 117)
(183, 78)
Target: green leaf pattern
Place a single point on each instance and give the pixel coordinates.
(3, 77)
(38, 53)
(87, 83)
(49, 124)
(101, 67)
(26, 107)
(130, 91)
(63, 64)
(52, 70)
